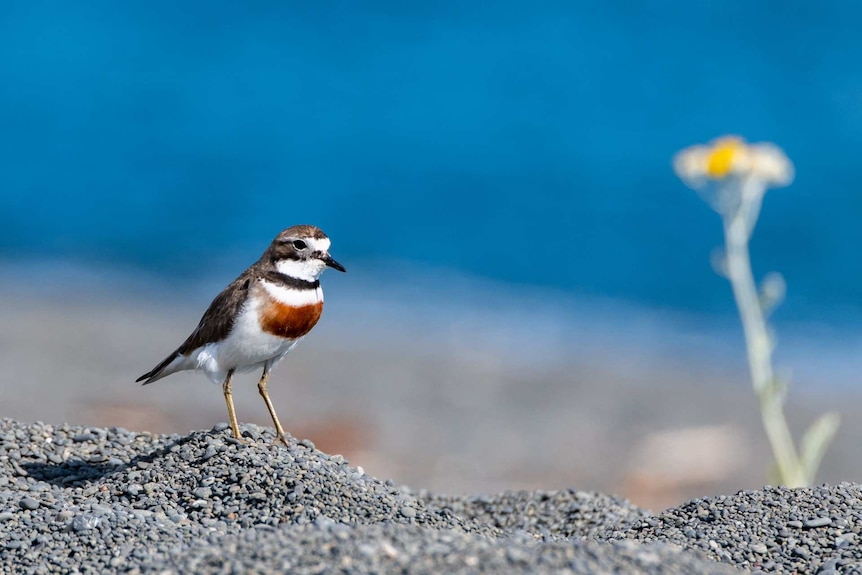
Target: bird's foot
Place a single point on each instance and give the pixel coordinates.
(237, 440)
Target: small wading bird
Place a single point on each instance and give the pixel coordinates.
(256, 320)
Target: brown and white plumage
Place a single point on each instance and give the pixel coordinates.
(257, 319)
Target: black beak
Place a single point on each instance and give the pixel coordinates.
(331, 263)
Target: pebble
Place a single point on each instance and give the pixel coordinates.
(85, 522)
(202, 492)
(203, 503)
(29, 504)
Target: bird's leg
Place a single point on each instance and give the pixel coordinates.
(228, 398)
(261, 388)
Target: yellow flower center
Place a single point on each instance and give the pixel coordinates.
(723, 156)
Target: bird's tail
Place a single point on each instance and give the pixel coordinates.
(158, 372)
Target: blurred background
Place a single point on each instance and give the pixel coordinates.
(530, 301)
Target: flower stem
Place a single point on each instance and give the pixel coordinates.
(737, 230)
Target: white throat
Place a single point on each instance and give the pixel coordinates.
(292, 296)
(308, 270)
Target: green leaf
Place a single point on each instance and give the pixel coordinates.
(718, 259)
(773, 288)
(815, 441)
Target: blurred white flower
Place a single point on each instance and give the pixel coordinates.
(731, 157)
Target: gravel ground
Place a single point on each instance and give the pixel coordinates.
(811, 530)
(93, 500)
(550, 514)
(393, 548)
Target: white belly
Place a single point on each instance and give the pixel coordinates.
(247, 347)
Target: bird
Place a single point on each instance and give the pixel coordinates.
(258, 318)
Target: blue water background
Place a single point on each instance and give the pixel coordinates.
(523, 143)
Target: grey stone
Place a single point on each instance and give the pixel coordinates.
(28, 503)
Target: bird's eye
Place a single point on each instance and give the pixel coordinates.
(299, 244)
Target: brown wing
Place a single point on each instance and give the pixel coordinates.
(216, 323)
